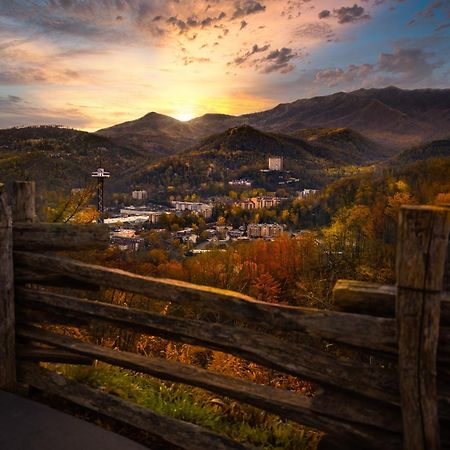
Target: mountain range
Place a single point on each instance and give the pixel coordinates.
(315, 136)
(391, 117)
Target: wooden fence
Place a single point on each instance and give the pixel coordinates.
(401, 401)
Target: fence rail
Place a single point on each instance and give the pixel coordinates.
(362, 405)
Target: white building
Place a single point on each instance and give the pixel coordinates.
(276, 163)
(139, 195)
(201, 209)
(152, 216)
(241, 182)
(306, 192)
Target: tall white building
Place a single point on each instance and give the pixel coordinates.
(276, 163)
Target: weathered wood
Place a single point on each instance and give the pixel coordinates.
(360, 331)
(374, 299)
(24, 193)
(298, 360)
(51, 355)
(7, 320)
(364, 298)
(421, 251)
(325, 411)
(446, 286)
(22, 277)
(59, 236)
(173, 431)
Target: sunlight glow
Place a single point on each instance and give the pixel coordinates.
(184, 116)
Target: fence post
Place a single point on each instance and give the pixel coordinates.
(421, 253)
(24, 201)
(7, 320)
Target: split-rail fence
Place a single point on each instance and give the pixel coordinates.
(400, 401)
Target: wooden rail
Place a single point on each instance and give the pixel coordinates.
(363, 405)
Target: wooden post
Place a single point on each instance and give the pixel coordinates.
(24, 201)
(421, 252)
(7, 321)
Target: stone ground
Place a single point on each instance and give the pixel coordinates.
(28, 425)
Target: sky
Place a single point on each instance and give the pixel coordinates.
(89, 64)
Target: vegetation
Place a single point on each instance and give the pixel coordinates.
(60, 159)
(224, 416)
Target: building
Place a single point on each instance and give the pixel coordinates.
(241, 182)
(259, 202)
(306, 192)
(139, 195)
(276, 163)
(201, 209)
(127, 240)
(152, 216)
(264, 230)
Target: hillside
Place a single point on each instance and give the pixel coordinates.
(391, 117)
(434, 149)
(156, 134)
(59, 159)
(351, 146)
(241, 152)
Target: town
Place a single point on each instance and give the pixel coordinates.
(137, 217)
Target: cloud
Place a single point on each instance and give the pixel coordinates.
(314, 30)
(239, 60)
(25, 75)
(411, 63)
(345, 14)
(336, 76)
(7, 100)
(348, 14)
(442, 27)
(278, 61)
(429, 10)
(18, 111)
(405, 66)
(324, 14)
(192, 59)
(246, 7)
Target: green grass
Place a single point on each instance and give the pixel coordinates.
(240, 422)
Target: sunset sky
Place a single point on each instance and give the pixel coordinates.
(89, 64)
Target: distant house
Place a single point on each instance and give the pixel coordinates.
(139, 195)
(306, 192)
(241, 182)
(259, 202)
(127, 240)
(264, 230)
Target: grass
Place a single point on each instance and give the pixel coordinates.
(237, 421)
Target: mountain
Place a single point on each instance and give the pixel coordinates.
(157, 134)
(59, 159)
(353, 147)
(391, 117)
(434, 149)
(241, 152)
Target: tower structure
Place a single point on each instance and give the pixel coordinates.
(276, 163)
(100, 174)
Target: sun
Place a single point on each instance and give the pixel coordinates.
(184, 116)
